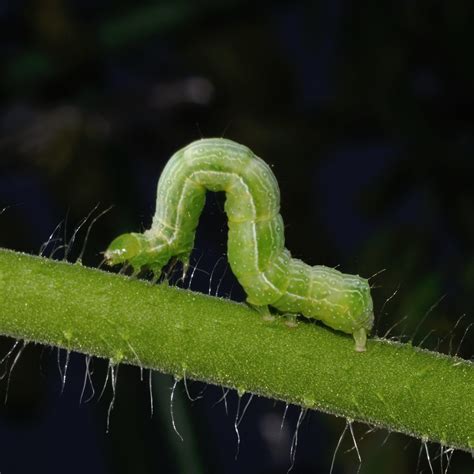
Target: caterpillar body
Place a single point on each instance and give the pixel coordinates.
(256, 244)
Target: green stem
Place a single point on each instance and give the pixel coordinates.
(396, 386)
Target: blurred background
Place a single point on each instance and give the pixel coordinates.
(365, 114)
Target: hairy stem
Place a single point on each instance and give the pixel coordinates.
(397, 386)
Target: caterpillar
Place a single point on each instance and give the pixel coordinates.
(256, 243)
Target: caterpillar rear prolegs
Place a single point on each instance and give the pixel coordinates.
(256, 250)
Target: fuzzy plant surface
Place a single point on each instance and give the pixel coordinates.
(396, 386)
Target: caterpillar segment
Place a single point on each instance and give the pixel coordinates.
(256, 242)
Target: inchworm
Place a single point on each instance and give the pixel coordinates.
(256, 250)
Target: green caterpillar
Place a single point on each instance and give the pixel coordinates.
(256, 250)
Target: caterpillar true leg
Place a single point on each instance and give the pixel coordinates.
(256, 251)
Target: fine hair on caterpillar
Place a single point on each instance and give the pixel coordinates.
(256, 251)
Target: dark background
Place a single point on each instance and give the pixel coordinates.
(365, 112)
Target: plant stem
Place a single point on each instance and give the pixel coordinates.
(396, 386)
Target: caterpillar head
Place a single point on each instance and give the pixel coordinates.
(139, 251)
(126, 248)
